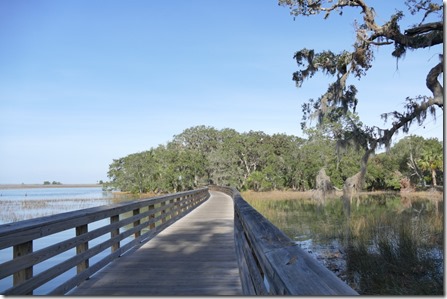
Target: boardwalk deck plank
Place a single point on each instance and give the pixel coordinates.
(194, 256)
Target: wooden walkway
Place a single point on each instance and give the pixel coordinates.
(194, 256)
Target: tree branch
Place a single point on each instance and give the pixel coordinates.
(434, 85)
(425, 28)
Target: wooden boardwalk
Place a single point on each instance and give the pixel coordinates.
(194, 256)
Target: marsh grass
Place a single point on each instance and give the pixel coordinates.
(393, 243)
(395, 267)
(18, 210)
(283, 195)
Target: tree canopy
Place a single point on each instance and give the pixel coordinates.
(254, 160)
(339, 102)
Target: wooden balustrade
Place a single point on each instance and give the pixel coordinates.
(139, 220)
(270, 263)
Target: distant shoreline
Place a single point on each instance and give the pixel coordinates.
(33, 186)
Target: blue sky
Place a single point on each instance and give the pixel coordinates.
(86, 82)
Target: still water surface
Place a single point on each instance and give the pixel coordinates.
(22, 204)
(379, 244)
(384, 244)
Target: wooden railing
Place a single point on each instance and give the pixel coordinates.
(270, 263)
(138, 221)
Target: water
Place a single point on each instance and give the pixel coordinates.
(54, 193)
(379, 245)
(384, 244)
(22, 204)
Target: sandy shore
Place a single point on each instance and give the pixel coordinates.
(30, 186)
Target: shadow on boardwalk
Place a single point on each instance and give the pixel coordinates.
(194, 256)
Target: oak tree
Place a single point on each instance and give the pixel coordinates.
(340, 99)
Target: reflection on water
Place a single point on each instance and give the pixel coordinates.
(378, 244)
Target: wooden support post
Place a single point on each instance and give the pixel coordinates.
(189, 203)
(24, 274)
(184, 203)
(151, 216)
(186, 206)
(115, 232)
(136, 223)
(163, 212)
(81, 248)
(177, 204)
(171, 209)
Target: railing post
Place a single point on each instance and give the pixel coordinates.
(186, 203)
(172, 208)
(163, 212)
(177, 205)
(136, 223)
(24, 274)
(151, 216)
(115, 232)
(83, 229)
(192, 201)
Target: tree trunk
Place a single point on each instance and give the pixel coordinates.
(324, 185)
(323, 182)
(433, 176)
(355, 183)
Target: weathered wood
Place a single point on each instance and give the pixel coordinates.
(81, 248)
(27, 230)
(193, 256)
(71, 283)
(163, 212)
(115, 232)
(137, 222)
(287, 269)
(51, 273)
(23, 232)
(25, 274)
(62, 267)
(41, 255)
(246, 263)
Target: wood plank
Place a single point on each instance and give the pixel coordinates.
(193, 256)
(287, 269)
(20, 232)
(25, 274)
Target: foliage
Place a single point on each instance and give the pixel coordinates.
(339, 102)
(419, 159)
(202, 155)
(431, 160)
(381, 244)
(403, 258)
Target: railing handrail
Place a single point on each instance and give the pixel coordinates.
(20, 236)
(271, 263)
(13, 233)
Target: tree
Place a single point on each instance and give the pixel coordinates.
(200, 156)
(406, 153)
(340, 99)
(224, 161)
(201, 139)
(431, 160)
(131, 173)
